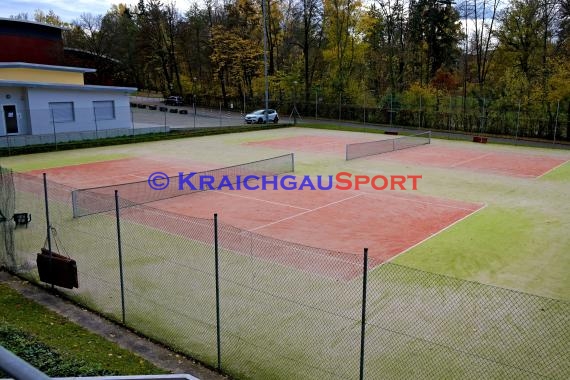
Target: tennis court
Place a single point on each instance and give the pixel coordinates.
(484, 271)
(421, 152)
(388, 223)
(476, 160)
(308, 143)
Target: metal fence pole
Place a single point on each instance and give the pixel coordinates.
(363, 319)
(420, 111)
(391, 107)
(194, 106)
(132, 123)
(117, 215)
(48, 228)
(54, 132)
(216, 258)
(220, 114)
(556, 122)
(96, 126)
(518, 121)
(316, 104)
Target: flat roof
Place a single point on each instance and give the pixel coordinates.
(32, 22)
(25, 65)
(59, 86)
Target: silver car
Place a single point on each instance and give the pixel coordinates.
(259, 116)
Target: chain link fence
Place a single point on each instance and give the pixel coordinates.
(260, 308)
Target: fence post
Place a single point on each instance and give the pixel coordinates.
(48, 227)
(420, 112)
(117, 215)
(54, 131)
(363, 319)
(518, 121)
(132, 123)
(556, 122)
(96, 126)
(216, 257)
(220, 114)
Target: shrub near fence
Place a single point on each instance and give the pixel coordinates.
(285, 310)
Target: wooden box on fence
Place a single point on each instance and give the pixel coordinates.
(63, 271)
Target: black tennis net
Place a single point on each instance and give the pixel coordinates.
(370, 148)
(102, 199)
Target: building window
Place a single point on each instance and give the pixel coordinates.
(62, 112)
(104, 110)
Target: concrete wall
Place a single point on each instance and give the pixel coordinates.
(41, 120)
(15, 96)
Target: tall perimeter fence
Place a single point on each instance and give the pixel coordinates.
(259, 308)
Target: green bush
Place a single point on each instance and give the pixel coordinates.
(45, 358)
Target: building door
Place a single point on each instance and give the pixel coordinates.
(10, 119)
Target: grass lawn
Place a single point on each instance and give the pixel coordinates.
(43, 330)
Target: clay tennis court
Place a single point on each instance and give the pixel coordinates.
(308, 143)
(343, 222)
(487, 160)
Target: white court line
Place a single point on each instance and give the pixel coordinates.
(554, 168)
(305, 212)
(138, 176)
(263, 200)
(434, 234)
(418, 201)
(469, 160)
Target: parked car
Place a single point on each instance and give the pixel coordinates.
(259, 116)
(174, 101)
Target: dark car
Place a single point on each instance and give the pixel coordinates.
(174, 101)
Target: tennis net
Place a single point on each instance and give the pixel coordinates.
(96, 200)
(370, 148)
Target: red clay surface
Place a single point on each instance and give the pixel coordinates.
(504, 163)
(318, 144)
(115, 172)
(340, 223)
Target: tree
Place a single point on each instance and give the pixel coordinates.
(435, 32)
(484, 15)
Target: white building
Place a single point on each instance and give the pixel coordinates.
(43, 99)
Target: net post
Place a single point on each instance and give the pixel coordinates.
(48, 228)
(118, 218)
(363, 318)
(74, 203)
(394, 144)
(292, 162)
(217, 272)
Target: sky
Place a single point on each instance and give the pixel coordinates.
(68, 10)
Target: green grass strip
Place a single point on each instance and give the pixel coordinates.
(60, 347)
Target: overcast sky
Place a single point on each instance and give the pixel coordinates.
(69, 10)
